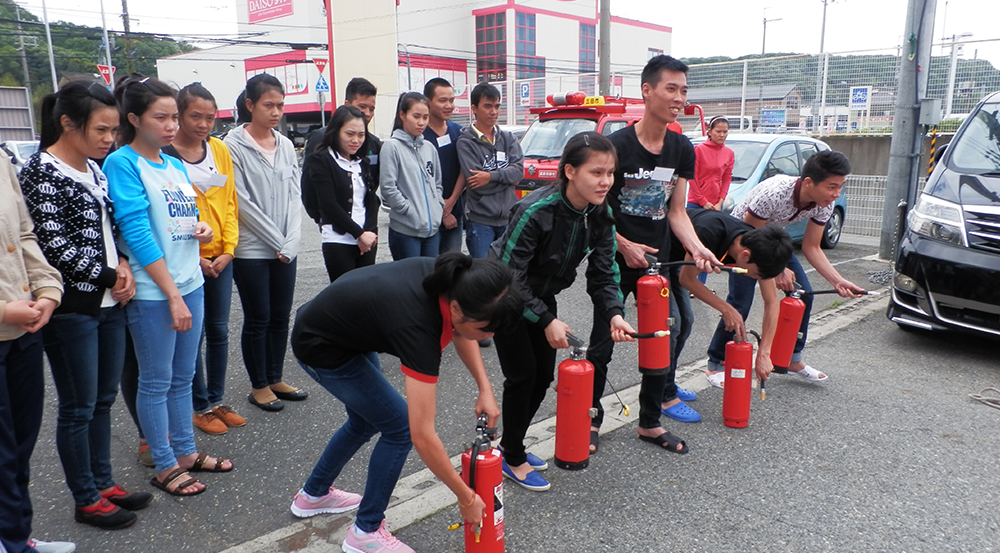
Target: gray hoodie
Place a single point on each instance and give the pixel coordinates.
(269, 198)
(490, 204)
(410, 184)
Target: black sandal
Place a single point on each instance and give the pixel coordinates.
(595, 440)
(667, 439)
(199, 464)
(174, 476)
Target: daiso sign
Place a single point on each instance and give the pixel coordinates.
(263, 10)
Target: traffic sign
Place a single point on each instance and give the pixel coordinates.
(320, 64)
(860, 97)
(524, 91)
(107, 73)
(322, 85)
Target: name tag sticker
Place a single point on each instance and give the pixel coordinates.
(185, 225)
(501, 156)
(662, 174)
(444, 140)
(186, 188)
(218, 180)
(373, 159)
(286, 172)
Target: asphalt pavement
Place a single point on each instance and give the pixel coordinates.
(890, 454)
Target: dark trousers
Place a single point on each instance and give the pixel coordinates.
(20, 420)
(209, 384)
(680, 331)
(266, 288)
(340, 258)
(528, 363)
(651, 389)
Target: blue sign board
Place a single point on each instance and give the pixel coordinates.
(772, 118)
(860, 97)
(322, 85)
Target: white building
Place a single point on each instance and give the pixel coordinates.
(530, 47)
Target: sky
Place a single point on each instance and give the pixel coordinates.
(725, 27)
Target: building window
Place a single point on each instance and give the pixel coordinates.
(529, 66)
(491, 47)
(588, 57)
(653, 52)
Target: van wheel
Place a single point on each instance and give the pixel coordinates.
(831, 232)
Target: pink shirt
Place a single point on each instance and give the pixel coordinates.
(713, 170)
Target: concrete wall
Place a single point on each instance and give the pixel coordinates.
(869, 155)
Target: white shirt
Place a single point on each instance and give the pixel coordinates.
(774, 200)
(357, 205)
(201, 172)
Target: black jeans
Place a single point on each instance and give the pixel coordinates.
(340, 258)
(528, 363)
(266, 288)
(21, 395)
(652, 387)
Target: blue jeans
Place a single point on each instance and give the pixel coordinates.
(166, 369)
(478, 237)
(86, 354)
(741, 292)
(218, 300)
(266, 287)
(22, 389)
(451, 238)
(404, 246)
(373, 406)
(680, 331)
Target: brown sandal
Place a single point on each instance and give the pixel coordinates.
(199, 464)
(174, 476)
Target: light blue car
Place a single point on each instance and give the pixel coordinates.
(762, 156)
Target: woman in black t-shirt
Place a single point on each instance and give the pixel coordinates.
(410, 309)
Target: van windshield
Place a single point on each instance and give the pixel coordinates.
(977, 149)
(546, 139)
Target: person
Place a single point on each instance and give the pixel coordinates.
(210, 168)
(763, 252)
(410, 309)
(492, 163)
(713, 171)
(30, 291)
(782, 200)
(270, 222)
(444, 134)
(647, 200)
(67, 197)
(158, 217)
(339, 193)
(410, 182)
(360, 93)
(552, 232)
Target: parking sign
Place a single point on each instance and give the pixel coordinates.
(860, 97)
(524, 92)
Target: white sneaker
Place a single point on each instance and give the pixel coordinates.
(376, 542)
(52, 546)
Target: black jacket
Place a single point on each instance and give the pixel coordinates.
(374, 149)
(328, 194)
(68, 224)
(547, 239)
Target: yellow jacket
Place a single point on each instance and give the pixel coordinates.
(217, 207)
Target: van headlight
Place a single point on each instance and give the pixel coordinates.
(937, 219)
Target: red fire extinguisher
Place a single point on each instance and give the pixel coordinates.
(575, 390)
(482, 465)
(786, 333)
(739, 376)
(653, 313)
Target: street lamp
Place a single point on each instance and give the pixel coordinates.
(763, 44)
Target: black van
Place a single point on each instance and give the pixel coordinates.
(947, 274)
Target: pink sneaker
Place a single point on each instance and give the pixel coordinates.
(336, 501)
(376, 542)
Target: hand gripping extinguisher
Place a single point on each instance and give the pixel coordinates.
(739, 374)
(786, 333)
(482, 464)
(575, 391)
(653, 313)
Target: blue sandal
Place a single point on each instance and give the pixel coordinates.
(681, 412)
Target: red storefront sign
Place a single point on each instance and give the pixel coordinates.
(264, 10)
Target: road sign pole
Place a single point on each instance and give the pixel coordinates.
(322, 109)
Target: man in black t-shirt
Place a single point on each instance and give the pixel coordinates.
(648, 200)
(763, 252)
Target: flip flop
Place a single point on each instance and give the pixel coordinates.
(199, 464)
(670, 440)
(810, 374)
(717, 379)
(177, 474)
(595, 440)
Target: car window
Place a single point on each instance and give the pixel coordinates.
(546, 139)
(747, 155)
(613, 126)
(784, 161)
(977, 149)
(807, 150)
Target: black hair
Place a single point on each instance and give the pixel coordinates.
(770, 249)
(432, 85)
(134, 95)
(260, 84)
(77, 101)
(193, 90)
(359, 86)
(820, 166)
(484, 90)
(486, 290)
(406, 101)
(243, 114)
(716, 120)
(331, 136)
(576, 153)
(656, 65)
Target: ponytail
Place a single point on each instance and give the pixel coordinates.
(485, 289)
(77, 101)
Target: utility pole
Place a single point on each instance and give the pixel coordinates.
(24, 64)
(763, 43)
(128, 36)
(818, 107)
(952, 69)
(52, 57)
(107, 45)
(907, 142)
(605, 49)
